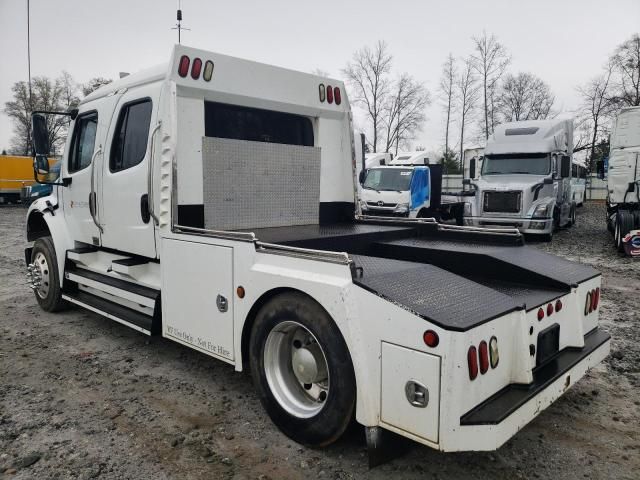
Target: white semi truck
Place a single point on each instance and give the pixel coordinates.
(211, 201)
(525, 180)
(623, 181)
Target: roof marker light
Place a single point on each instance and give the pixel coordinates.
(540, 314)
(493, 352)
(337, 95)
(484, 357)
(183, 66)
(208, 71)
(550, 309)
(472, 360)
(431, 338)
(196, 68)
(321, 92)
(329, 94)
(558, 305)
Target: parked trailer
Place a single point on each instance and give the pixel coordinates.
(525, 180)
(16, 174)
(623, 182)
(215, 207)
(579, 172)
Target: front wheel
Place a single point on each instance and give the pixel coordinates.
(302, 370)
(45, 276)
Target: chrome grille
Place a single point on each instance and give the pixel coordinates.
(502, 202)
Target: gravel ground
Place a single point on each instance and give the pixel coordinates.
(84, 397)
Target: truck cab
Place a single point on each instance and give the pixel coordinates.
(525, 180)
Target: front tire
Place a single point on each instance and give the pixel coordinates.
(302, 370)
(45, 266)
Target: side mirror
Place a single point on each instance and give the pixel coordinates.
(39, 135)
(466, 181)
(600, 169)
(565, 166)
(548, 181)
(41, 165)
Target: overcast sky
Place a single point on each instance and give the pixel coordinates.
(565, 42)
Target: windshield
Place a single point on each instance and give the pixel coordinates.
(511, 164)
(397, 179)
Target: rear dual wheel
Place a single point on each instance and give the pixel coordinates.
(623, 225)
(302, 370)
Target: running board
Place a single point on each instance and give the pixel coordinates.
(126, 316)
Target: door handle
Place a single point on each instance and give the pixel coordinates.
(144, 208)
(92, 195)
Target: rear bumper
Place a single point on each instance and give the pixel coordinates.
(497, 419)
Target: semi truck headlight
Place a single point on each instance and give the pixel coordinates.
(402, 207)
(542, 211)
(467, 209)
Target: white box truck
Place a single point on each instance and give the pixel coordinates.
(623, 181)
(525, 181)
(211, 201)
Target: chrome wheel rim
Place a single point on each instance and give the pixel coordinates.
(296, 369)
(43, 274)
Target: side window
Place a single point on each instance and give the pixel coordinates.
(131, 136)
(83, 141)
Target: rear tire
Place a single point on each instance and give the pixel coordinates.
(624, 224)
(49, 293)
(302, 370)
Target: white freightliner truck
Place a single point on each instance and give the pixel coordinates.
(212, 202)
(623, 181)
(525, 180)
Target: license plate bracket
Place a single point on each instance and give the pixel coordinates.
(548, 344)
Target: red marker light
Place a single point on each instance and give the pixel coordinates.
(558, 305)
(549, 309)
(329, 94)
(337, 95)
(196, 68)
(183, 66)
(540, 314)
(431, 338)
(472, 360)
(484, 357)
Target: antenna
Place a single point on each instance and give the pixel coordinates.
(29, 53)
(179, 26)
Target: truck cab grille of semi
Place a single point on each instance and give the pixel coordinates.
(503, 202)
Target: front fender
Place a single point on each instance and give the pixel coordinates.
(44, 218)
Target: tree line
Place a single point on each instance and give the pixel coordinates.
(58, 94)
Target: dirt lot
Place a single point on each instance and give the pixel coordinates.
(84, 397)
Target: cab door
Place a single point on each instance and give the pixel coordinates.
(79, 168)
(124, 211)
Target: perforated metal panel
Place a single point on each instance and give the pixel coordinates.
(250, 185)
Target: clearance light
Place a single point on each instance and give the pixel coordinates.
(337, 95)
(484, 357)
(472, 360)
(321, 92)
(196, 68)
(329, 94)
(587, 304)
(549, 309)
(593, 300)
(493, 352)
(183, 66)
(431, 338)
(540, 314)
(558, 305)
(208, 71)
(597, 298)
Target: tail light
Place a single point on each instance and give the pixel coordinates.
(587, 304)
(549, 309)
(540, 314)
(337, 95)
(321, 92)
(431, 338)
(329, 94)
(493, 352)
(595, 298)
(484, 357)
(183, 66)
(196, 68)
(558, 305)
(472, 360)
(208, 71)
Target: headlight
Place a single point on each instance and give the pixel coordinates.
(402, 207)
(467, 209)
(542, 211)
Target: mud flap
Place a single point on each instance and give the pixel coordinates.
(384, 446)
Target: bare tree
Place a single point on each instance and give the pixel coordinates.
(48, 95)
(490, 62)
(626, 66)
(368, 77)
(70, 89)
(404, 112)
(596, 105)
(467, 92)
(447, 92)
(524, 97)
(94, 84)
